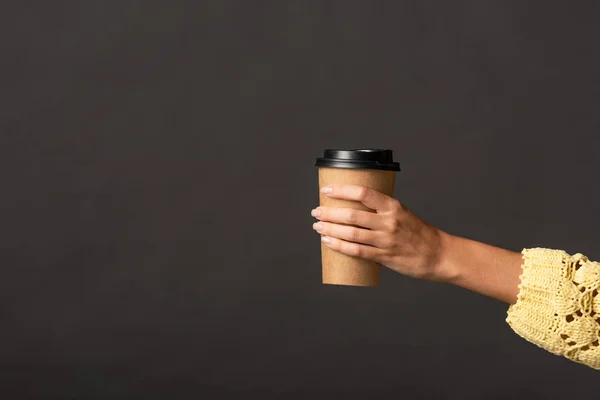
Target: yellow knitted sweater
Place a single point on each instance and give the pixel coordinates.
(558, 306)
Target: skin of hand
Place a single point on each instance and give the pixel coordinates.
(395, 237)
(392, 236)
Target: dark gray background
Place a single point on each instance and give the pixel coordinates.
(157, 170)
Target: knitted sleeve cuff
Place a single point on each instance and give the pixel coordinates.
(558, 305)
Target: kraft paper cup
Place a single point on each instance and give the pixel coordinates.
(372, 168)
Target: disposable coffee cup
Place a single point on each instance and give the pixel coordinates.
(372, 168)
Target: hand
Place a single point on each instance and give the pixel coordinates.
(392, 236)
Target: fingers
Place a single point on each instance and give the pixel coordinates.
(350, 233)
(369, 197)
(349, 216)
(355, 249)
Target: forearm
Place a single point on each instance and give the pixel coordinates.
(482, 268)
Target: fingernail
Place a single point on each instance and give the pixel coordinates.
(315, 213)
(326, 240)
(317, 226)
(326, 189)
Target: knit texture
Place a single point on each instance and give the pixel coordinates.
(558, 305)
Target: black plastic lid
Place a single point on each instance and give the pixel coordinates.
(358, 158)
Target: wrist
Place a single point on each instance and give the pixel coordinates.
(448, 270)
